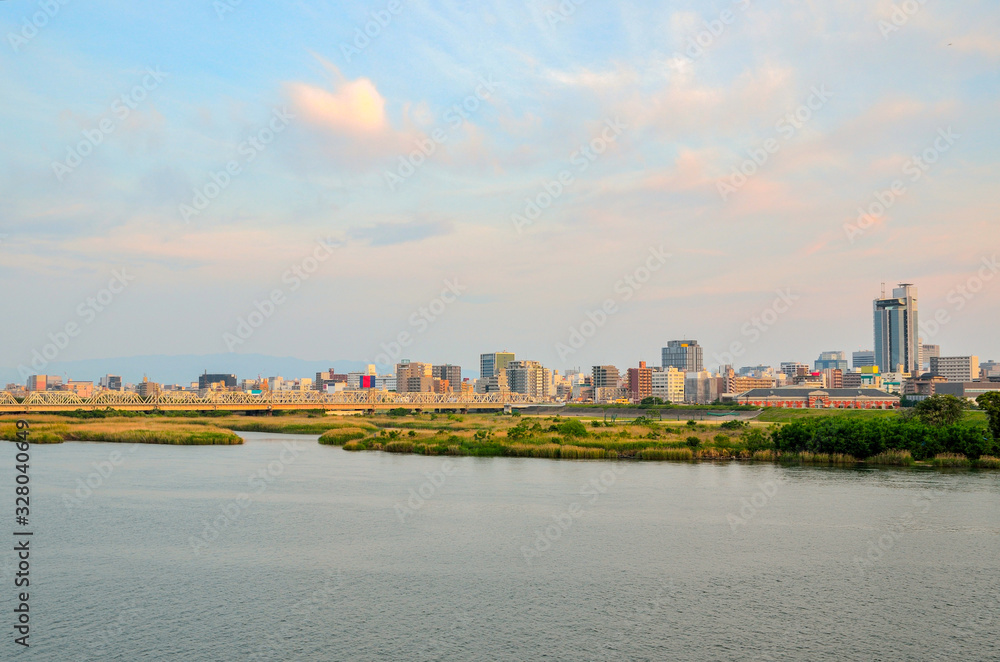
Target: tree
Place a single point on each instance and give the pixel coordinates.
(990, 403)
(651, 400)
(755, 439)
(939, 410)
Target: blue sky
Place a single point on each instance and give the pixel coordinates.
(539, 82)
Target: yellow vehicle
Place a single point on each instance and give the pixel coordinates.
(621, 401)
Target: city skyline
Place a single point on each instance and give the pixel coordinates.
(692, 355)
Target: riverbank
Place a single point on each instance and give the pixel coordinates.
(49, 429)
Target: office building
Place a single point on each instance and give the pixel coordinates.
(668, 385)
(604, 376)
(956, 368)
(37, 382)
(147, 389)
(452, 373)
(414, 377)
(896, 324)
(640, 382)
(863, 359)
(685, 355)
(494, 364)
(111, 382)
(831, 361)
(329, 378)
(528, 377)
(218, 380)
(794, 368)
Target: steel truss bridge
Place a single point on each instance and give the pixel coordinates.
(39, 402)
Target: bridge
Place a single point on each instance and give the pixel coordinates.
(39, 402)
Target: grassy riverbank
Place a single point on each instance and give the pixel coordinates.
(49, 429)
(813, 437)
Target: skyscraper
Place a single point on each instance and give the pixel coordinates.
(491, 365)
(685, 355)
(896, 329)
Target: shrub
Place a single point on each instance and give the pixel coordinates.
(721, 439)
(571, 428)
(355, 446)
(735, 425)
(692, 424)
(755, 439)
(692, 441)
(399, 411)
(399, 447)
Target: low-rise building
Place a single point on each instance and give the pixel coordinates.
(791, 397)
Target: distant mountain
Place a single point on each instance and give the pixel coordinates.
(185, 368)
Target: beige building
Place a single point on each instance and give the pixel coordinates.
(956, 368)
(668, 384)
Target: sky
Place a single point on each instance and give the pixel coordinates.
(577, 182)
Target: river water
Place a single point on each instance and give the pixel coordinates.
(282, 549)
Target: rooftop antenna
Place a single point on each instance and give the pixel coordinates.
(883, 289)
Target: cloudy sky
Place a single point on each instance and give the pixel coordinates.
(480, 176)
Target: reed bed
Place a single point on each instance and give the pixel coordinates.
(988, 462)
(341, 436)
(950, 460)
(766, 455)
(399, 447)
(673, 454)
(892, 458)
